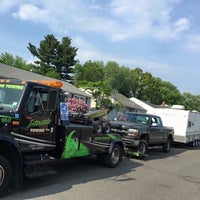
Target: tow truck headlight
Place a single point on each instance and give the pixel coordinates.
(133, 132)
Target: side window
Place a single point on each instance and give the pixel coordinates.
(154, 121)
(30, 104)
(158, 121)
(41, 100)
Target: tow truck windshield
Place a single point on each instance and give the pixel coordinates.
(10, 96)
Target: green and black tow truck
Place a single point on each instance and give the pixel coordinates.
(35, 132)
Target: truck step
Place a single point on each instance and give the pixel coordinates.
(35, 173)
(40, 161)
(42, 166)
(39, 168)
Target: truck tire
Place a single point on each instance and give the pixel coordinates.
(98, 127)
(167, 146)
(113, 159)
(142, 147)
(5, 175)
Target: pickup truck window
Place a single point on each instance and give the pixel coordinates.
(155, 121)
(132, 117)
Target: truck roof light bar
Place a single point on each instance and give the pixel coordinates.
(56, 84)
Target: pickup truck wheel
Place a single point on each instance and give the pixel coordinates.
(98, 127)
(193, 143)
(5, 175)
(167, 146)
(113, 159)
(142, 147)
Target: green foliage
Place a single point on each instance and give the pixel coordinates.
(53, 74)
(55, 55)
(101, 91)
(7, 59)
(91, 76)
(170, 94)
(154, 90)
(89, 71)
(120, 78)
(15, 61)
(191, 102)
(129, 82)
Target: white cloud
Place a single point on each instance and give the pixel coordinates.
(6, 5)
(87, 51)
(193, 43)
(171, 31)
(80, 42)
(31, 12)
(118, 19)
(147, 65)
(148, 18)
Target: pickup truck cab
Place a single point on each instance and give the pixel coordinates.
(140, 131)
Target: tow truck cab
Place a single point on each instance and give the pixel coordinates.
(29, 112)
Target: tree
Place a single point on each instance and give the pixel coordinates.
(55, 55)
(15, 61)
(170, 94)
(7, 59)
(65, 58)
(129, 82)
(191, 102)
(90, 76)
(89, 71)
(120, 78)
(150, 88)
(154, 90)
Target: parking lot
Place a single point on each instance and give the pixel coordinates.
(174, 175)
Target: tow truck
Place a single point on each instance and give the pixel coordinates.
(35, 132)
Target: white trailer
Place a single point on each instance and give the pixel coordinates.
(186, 124)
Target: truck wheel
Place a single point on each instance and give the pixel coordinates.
(5, 175)
(142, 147)
(113, 159)
(98, 127)
(194, 143)
(167, 146)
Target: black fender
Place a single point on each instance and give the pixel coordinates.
(114, 142)
(10, 149)
(5, 137)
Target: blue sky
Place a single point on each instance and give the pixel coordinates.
(159, 36)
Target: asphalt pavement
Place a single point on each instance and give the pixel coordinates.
(161, 176)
